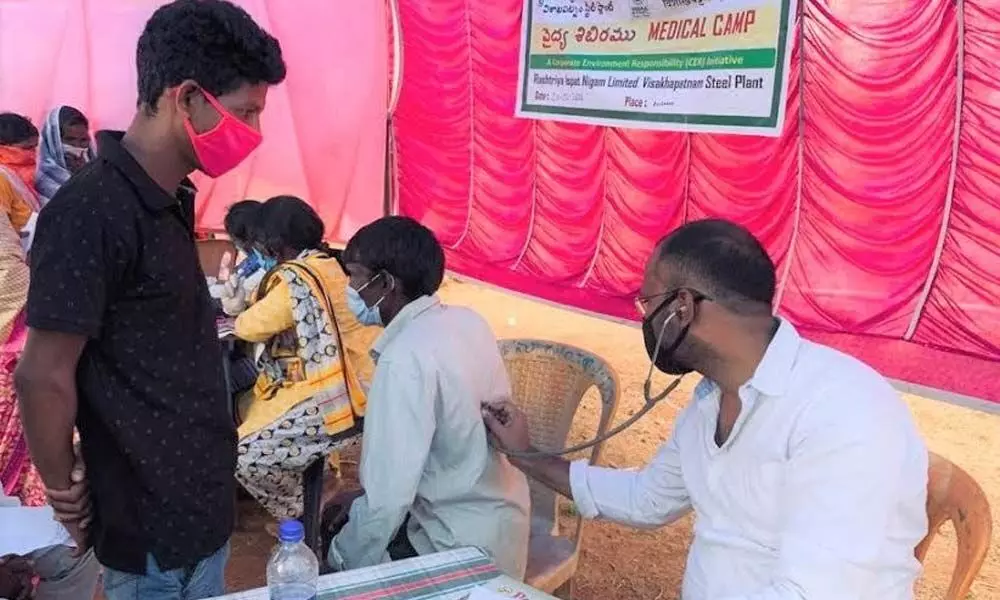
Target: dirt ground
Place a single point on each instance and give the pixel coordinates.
(622, 563)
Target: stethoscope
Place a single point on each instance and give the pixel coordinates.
(651, 401)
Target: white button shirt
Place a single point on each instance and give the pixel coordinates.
(424, 450)
(818, 494)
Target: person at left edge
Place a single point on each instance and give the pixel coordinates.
(122, 329)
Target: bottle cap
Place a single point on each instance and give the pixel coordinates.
(290, 530)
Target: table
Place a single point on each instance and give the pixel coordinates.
(447, 575)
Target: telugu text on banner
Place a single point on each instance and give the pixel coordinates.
(684, 65)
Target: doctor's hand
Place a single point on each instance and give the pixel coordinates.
(507, 425)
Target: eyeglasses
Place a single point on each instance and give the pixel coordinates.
(642, 302)
(369, 282)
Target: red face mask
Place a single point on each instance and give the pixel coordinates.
(221, 148)
(21, 161)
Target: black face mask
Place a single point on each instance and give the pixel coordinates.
(663, 357)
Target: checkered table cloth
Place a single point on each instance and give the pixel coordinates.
(443, 576)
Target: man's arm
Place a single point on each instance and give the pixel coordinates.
(399, 427)
(852, 470)
(552, 471)
(499, 416)
(46, 389)
(74, 263)
(650, 497)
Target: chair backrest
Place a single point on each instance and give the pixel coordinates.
(953, 495)
(548, 381)
(210, 254)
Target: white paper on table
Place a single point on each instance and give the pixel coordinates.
(26, 529)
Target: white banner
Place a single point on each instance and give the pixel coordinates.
(684, 65)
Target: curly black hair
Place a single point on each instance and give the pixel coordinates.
(212, 42)
(15, 129)
(403, 248)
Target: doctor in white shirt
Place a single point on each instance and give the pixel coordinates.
(803, 467)
(431, 480)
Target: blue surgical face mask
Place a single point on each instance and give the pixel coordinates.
(366, 315)
(266, 262)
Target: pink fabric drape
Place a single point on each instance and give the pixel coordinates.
(324, 128)
(885, 231)
(886, 234)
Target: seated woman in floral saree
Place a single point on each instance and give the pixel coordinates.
(18, 140)
(310, 397)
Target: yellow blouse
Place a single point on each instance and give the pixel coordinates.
(271, 316)
(11, 203)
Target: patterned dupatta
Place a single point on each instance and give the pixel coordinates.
(318, 349)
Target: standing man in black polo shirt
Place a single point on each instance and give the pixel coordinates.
(122, 336)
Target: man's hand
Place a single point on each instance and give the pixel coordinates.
(507, 425)
(72, 506)
(16, 574)
(508, 430)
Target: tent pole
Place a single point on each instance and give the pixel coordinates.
(387, 207)
(949, 199)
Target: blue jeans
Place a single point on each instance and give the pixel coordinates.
(204, 580)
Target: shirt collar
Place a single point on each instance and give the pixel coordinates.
(109, 147)
(774, 370)
(406, 316)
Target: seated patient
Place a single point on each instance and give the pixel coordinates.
(431, 481)
(309, 397)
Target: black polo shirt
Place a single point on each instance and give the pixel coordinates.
(114, 260)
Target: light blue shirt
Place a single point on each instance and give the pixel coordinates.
(425, 451)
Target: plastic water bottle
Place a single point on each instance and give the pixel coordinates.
(293, 569)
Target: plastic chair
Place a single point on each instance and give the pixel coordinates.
(548, 381)
(210, 254)
(953, 495)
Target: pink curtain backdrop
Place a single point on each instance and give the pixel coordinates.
(880, 203)
(324, 128)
